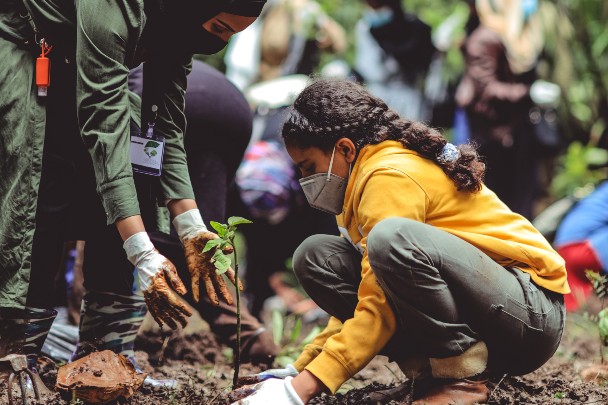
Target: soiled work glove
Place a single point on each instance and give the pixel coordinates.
(194, 236)
(272, 391)
(153, 271)
(288, 371)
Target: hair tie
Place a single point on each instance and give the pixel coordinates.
(449, 153)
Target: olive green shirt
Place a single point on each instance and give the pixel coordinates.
(108, 36)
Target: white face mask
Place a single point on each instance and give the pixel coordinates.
(325, 191)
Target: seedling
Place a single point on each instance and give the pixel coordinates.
(222, 262)
(600, 286)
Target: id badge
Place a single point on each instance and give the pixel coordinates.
(147, 154)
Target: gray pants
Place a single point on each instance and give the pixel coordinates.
(446, 295)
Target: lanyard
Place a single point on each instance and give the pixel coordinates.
(43, 64)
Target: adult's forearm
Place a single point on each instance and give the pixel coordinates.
(129, 226)
(180, 206)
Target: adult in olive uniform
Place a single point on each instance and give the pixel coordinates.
(218, 131)
(93, 46)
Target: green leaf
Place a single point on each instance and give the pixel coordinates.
(221, 229)
(297, 329)
(212, 243)
(229, 235)
(235, 221)
(153, 152)
(221, 262)
(277, 327)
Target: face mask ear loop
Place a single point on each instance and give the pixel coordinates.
(331, 163)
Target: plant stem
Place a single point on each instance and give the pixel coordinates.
(237, 351)
(602, 359)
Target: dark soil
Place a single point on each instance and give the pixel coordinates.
(204, 374)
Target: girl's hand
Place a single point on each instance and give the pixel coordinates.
(272, 391)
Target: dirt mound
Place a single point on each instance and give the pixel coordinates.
(197, 348)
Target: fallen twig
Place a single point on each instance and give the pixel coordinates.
(496, 387)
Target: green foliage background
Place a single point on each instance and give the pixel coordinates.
(576, 57)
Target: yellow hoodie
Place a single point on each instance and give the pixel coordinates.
(389, 180)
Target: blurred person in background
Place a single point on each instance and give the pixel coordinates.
(501, 55)
(286, 41)
(393, 53)
(582, 240)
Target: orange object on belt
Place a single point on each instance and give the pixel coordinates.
(43, 69)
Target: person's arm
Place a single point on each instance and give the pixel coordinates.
(165, 82)
(483, 52)
(103, 116)
(331, 36)
(386, 193)
(103, 107)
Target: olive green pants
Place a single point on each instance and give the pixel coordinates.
(446, 295)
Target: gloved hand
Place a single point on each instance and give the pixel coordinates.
(288, 371)
(153, 270)
(273, 391)
(194, 236)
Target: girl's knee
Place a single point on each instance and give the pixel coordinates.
(389, 233)
(307, 258)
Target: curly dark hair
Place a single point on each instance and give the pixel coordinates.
(328, 110)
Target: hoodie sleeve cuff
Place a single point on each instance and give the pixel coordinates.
(309, 353)
(329, 370)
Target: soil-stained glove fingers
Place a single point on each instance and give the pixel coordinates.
(273, 391)
(179, 307)
(232, 277)
(193, 262)
(288, 371)
(166, 316)
(241, 393)
(174, 280)
(171, 315)
(196, 286)
(223, 288)
(210, 287)
(167, 301)
(152, 304)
